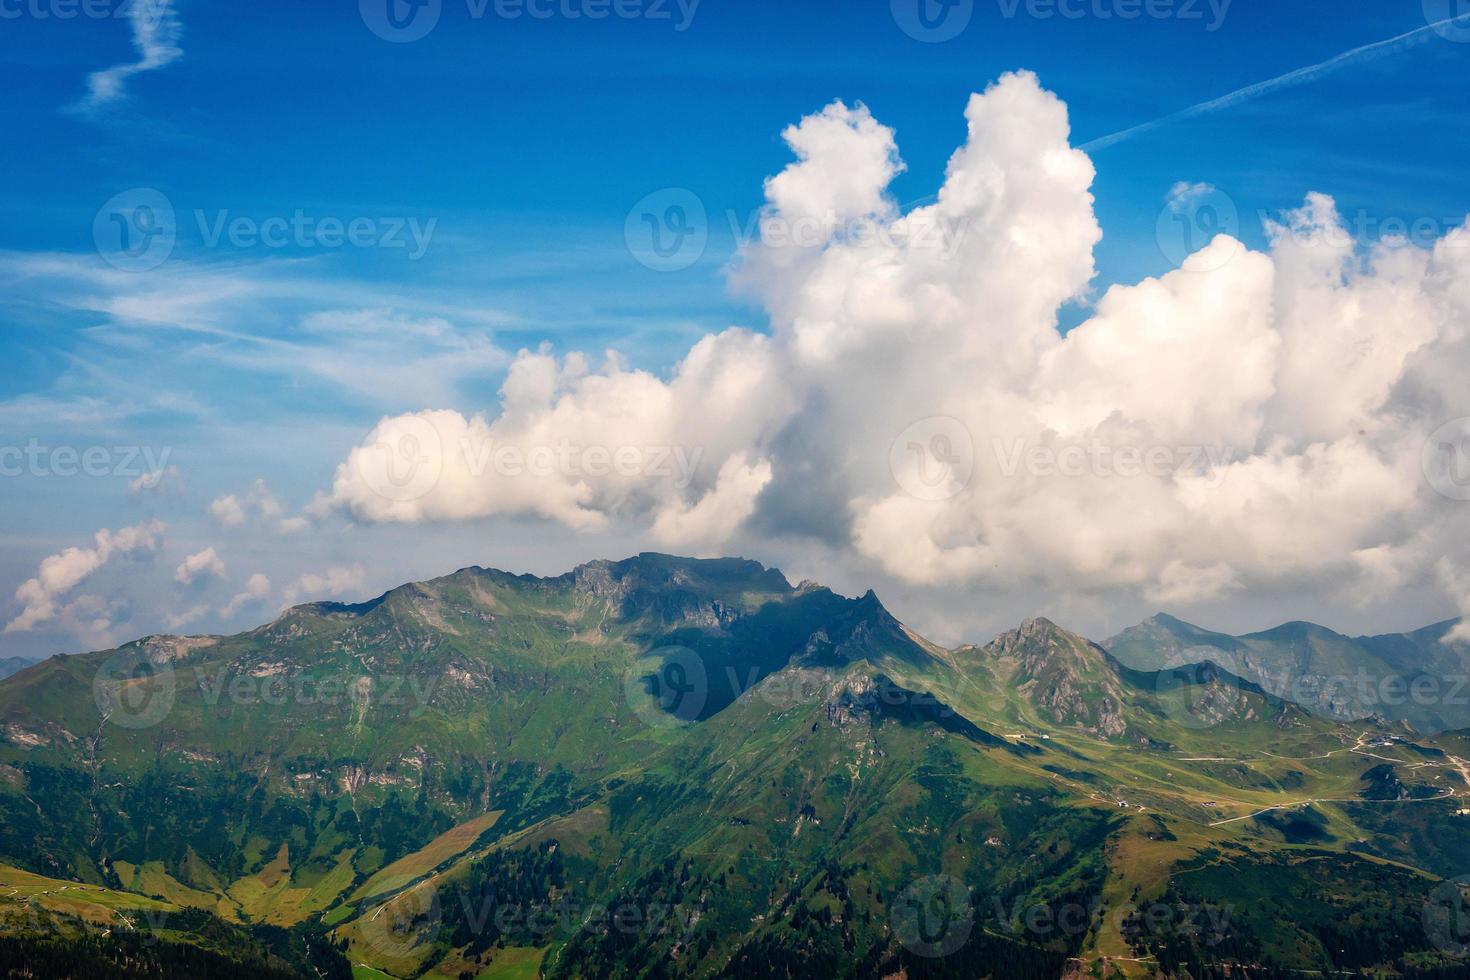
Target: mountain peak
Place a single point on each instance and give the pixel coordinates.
(1067, 678)
(1033, 632)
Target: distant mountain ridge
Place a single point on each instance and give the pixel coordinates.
(1413, 677)
(13, 665)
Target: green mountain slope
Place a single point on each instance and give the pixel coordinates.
(672, 767)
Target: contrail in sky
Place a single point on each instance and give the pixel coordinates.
(1281, 81)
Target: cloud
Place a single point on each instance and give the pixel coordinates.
(232, 510)
(199, 565)
(155, 481)
(1456, 582)
(257, 587)
(60, 573)
(1180, 584)
(1250, 420)
(156, 33)
(575, 445)
(228, 510)
(336, 581)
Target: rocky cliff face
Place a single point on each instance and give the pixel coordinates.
(1066, 677)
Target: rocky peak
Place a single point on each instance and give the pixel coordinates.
(1067, 678)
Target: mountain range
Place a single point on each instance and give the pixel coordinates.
(1418, 677)
(676, 767)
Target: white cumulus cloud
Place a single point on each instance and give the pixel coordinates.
(257, 587)
(201, 564)
(1250, 420)
(43, 597)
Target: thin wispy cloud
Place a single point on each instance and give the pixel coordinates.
(156, 34)
(1297, 77)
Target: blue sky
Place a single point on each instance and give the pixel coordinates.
(521, 144)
